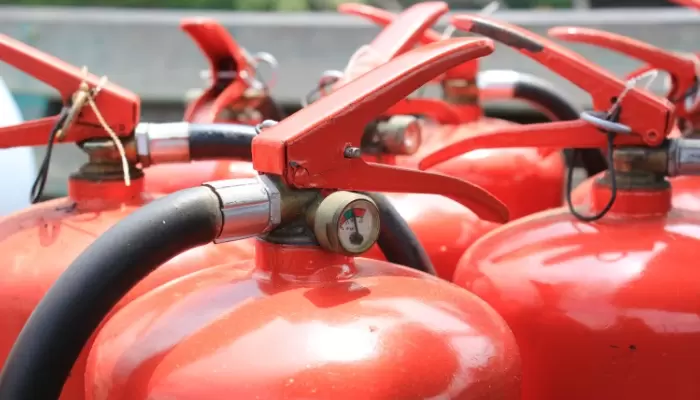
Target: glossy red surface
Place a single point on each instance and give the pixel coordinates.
(444, 228)
(38, 243)
(305, 324)
(685, 194)
(169, 178)
(604, 310)
(510, 174)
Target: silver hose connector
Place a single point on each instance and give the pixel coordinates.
(250, 207)
(684, 157)
(158, 143)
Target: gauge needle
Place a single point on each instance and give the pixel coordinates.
(356, 237)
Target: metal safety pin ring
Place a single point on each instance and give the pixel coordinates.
(594, 118)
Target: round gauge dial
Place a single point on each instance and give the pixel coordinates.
(347, 223)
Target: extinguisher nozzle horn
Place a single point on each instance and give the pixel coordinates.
(647, 116)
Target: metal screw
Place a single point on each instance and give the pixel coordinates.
(352, 152)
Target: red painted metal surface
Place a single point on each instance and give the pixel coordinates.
(117, 104)
(385, 18)
(604, 309)
(290, 149)
(299, 322)
(509, 174)
(648, 118)
(682, 68)
(38, 243)
(281, 329)
(600, 311)
(685, 195)
(225, 56)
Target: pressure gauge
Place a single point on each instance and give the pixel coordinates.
(346, 223)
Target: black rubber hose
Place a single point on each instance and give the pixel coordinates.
(396, 239)
(220, 141)
(541, 93)
(63, 322)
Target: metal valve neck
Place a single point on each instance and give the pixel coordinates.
(640, 179)
(101, 179)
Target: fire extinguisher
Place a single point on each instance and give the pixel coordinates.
(508, 173)
(603, 302)
(307, 319)
(236, 94)
(684, 73)
(443, 227)
(39, 242)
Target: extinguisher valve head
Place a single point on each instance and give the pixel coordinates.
(250, 207)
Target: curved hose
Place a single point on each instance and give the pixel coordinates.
(73, 308)
(545, 97)
(217, 141)
(396, 239)
(83, 295)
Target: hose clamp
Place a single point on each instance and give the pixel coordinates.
(158, 143)
(249, 206)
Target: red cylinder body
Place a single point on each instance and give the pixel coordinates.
(302, 323)
(169, 178)
(604, 310)
(39, 242)
(510, 174)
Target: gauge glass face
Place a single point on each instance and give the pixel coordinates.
(357, 226)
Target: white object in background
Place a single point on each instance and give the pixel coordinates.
(17, 168)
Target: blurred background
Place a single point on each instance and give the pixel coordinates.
(138, 45)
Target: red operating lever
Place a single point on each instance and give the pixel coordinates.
(642, 118)
(318, 147)
(683, 69)
(384, 18)
(402, 33)
(398, 37)
(119, 107)
(231, 71)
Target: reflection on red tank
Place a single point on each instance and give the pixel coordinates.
(346, 329)
(607, 310)
(39, 242)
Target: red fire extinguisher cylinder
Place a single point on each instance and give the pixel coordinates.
(304, 262)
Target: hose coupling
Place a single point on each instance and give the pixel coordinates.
(684, 157)
(158, 143)
(249, 207)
